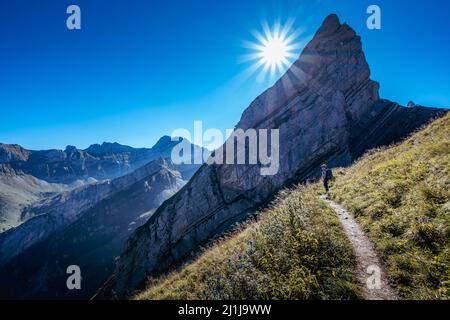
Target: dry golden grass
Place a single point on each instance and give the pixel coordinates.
(400, 195)
(296, 250)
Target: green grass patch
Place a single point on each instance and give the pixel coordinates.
(401, 197)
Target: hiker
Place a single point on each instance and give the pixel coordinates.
(327, 175)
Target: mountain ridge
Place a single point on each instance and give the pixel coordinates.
(99, 161)
(317, 105)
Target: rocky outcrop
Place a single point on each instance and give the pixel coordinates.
(92, 241)
(327, 110)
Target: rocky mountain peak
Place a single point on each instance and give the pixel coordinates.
(165, 142)
(329, 25)
(331, 71)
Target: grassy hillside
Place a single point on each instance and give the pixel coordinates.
(296, 250)
(400, 195)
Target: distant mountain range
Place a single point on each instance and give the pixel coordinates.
(72, 165)
(31, 181)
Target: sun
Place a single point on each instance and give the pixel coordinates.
(274, 50)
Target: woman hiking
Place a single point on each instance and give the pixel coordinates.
(327, 175)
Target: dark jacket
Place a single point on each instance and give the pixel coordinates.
(327, 175)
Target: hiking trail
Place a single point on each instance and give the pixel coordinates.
(367, 259)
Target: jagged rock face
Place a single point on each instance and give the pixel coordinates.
(321, 106)
(92, 241)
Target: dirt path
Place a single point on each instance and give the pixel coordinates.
(369, 267)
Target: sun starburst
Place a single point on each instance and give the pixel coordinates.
(274, 50)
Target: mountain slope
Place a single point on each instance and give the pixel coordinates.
(297, 250)
(401, 196)
(19, 191)
(322, 106)
(91, 241)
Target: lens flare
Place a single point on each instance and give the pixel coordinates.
(274, 50)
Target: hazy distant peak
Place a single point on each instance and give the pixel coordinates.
(165, 141)
(108, 148)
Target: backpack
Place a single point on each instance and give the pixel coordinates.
(330, 174)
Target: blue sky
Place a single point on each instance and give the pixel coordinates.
(140, 69)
